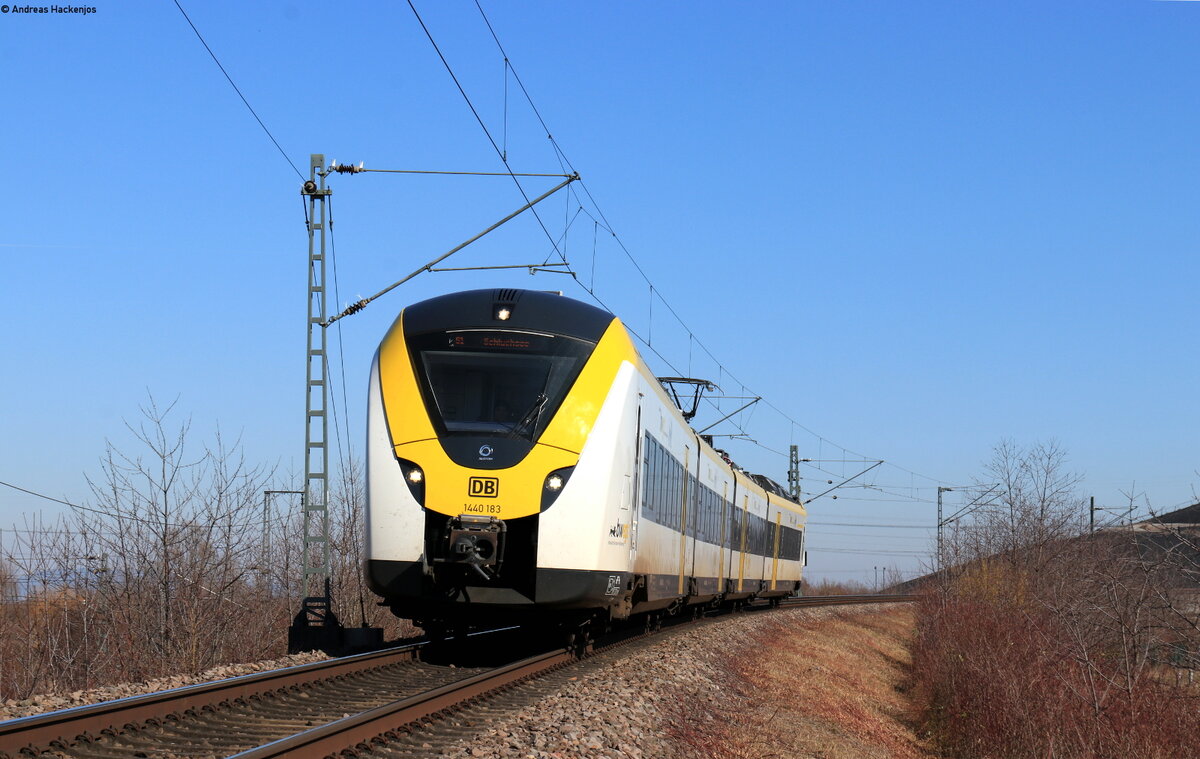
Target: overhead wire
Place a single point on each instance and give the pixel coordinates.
(868, 551)
(926, 539)
(890, 526)
(282, 152)
(117, 516)
(600, 221)
(348, 472)
(238, 91)
(502, 154)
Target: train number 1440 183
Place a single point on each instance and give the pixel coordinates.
(481, 508)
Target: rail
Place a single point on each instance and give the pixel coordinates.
(94, 719)
(379, 724)
(361, 729)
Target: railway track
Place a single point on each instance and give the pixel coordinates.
(841, 600)
(388, 701)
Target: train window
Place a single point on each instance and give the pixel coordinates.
(693, 505)
(651, 478)
(710, 499)
(647, 479)
(714, 529)
(731, 530)
(658, 474)
(669, 486)
(669, 501)
(676, 493)
(671, 505)
(660, 499)
(496, 383)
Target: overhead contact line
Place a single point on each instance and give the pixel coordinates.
(228, 78)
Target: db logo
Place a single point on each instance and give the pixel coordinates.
(483, 487)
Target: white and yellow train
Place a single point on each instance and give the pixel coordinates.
(523, 460)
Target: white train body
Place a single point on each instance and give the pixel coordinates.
(522, 459)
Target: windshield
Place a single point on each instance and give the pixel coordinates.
(496, 383)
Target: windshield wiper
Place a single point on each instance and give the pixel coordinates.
(530, 419)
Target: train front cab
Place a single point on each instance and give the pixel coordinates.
(491, 451)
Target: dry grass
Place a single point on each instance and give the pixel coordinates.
(1014, 681)
(833, 687)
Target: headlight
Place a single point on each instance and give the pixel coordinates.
(554, 484)
(414, 477)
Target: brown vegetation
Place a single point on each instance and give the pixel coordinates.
(178, 564)
(1041, 640)
(835, 588)
(833, 686)
(888, 580)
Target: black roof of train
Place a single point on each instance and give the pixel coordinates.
(533, 310)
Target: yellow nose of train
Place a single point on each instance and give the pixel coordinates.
(487, 409)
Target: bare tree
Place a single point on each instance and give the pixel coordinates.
(1041, 639)
(179, 562)
(157, 575)
(354, 603)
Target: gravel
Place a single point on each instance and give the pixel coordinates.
(625, 708)
(13, 709)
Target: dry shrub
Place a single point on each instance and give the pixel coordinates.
(1040, 640)
(178, 565)
(1002, 680)
(835, 588)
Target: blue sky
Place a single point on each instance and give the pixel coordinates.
(917, 229)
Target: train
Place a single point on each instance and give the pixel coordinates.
(524, 465)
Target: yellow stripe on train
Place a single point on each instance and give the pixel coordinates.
(508, 493)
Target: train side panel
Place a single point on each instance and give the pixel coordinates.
(588, 526)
